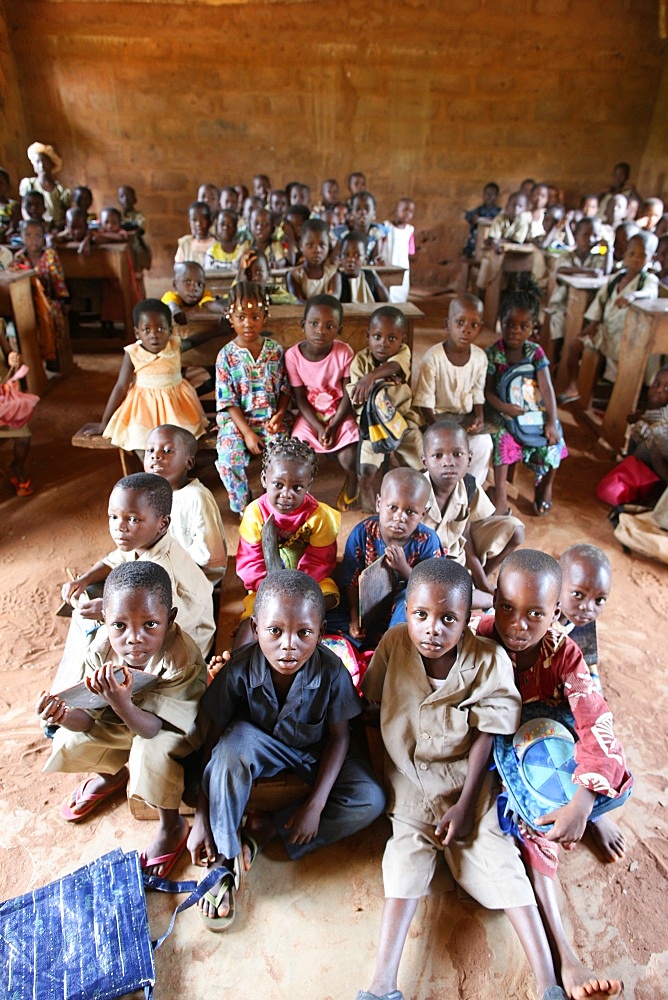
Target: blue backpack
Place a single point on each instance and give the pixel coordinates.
(518, 386)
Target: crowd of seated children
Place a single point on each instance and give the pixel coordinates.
(357, 283)
(451, 380)
(580, 260)
(386, 360)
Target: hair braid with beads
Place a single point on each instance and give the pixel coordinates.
(292, 449)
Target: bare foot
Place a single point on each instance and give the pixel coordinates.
(608, 838)
(582, 984)
(216, 664)
(261, 827)
(167, 841)
(224, 903)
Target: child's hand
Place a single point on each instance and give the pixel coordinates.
(395, 558)
(104, 683)
(201, 843)
(180, 318)
(551, 432)
(92, 430)
(476, 426)
(634, 417)
(370, 713)
(327, 436)
(274, 423)
(455, 824)
(51, 708)
(356, 629)
(216, 664)
(90, 610)
(623, 301)
(379, 260)
(304, 823)
(253, 443)
(360, 391)
(71, 591)
(14, 359)
(570, 820)
(511, 410)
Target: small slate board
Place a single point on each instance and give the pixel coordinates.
(376, 584)
(79, 696)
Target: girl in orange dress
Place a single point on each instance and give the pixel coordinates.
(150, 390)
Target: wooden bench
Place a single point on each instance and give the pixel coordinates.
(81, 439)
(16, 302)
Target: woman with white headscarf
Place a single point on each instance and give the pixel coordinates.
(46, 164)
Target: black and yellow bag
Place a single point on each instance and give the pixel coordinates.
(380, 421)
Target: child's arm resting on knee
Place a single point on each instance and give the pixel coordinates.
(54, 711)
(570, 820)
(251, 440)
(305, 820)
(119, 697)
(457, 822)
(275, 423)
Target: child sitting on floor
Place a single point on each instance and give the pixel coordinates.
(649, 427)
(195, 245)
(287, 528)
(519, 319)
(444, 694)
(252, 391)
(606, 315)
(400, 246)
(134, 741)
(460, 511)
(451, 382)
(195, 523)
(150, 389)
(387, 358)
(551, 674)
(358, 284)
(139, 515)
(281, 702)
(319, 371)
(315, 275)
(396, 535)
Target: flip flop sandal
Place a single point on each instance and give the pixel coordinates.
(394, 995)
(166, 860)
(247, 840)
(229, 884)
(344, 502)
(23, 489)
(564, 400)
(89, 801)
(542, 507)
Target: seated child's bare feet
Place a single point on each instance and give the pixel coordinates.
(91, 793)
(166, 847)
(581, 984)
(216, 663)
(608, 838)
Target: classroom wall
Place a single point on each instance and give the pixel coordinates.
(12, 118)
(653, 176)
(430, 100)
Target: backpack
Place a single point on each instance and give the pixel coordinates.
(519, 387)
(536, 766)
(380, 421)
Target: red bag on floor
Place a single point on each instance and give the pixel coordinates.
(629, 481)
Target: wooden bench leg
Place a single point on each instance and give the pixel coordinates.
(587, 376)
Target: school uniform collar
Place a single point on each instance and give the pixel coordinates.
(259, 672)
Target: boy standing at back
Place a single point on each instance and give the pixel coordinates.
(452, 377)
(550, 669)
(444, 694)
(386, 358)
(462, 514)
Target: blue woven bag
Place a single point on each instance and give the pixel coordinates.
(86, 935)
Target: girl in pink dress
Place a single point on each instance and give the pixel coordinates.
(319, 370)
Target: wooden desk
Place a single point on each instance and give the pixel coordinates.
(285, 324)
(16, 301)
(219, 281)
(482, 232)
(106, 260)
(515, 257)
(581, 290)
(645, 332)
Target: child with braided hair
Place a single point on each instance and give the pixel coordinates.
(287, 528)
(252, 391)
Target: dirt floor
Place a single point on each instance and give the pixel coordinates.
(310, 929)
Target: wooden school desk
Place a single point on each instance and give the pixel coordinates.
(16, 301)
(515, 257)
(645, 332)
(581, 290)
(218, 282)
(106, 260)
(285, 323)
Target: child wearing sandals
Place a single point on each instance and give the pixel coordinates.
(319, 371)
(519, 319)
(443, 695)
(553, 679)
(134, 741)
(282, 702)
(287, 528)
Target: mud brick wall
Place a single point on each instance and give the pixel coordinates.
(430, 100)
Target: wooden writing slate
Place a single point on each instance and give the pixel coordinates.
(376, 584)
(79, 696)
